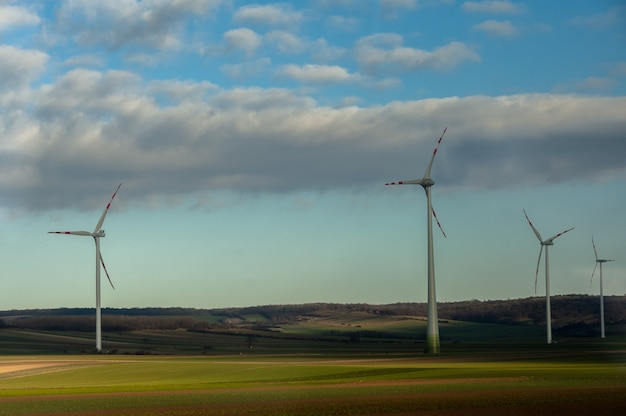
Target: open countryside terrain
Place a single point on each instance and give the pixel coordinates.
(521, 382)
(307, 328)
(320, 359)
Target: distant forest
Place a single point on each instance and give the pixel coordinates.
(568, 311)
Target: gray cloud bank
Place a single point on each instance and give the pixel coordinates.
(63, 144)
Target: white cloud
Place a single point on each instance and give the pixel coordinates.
(493, 7)
(181, 91)
(247, 69)
(241, 39)
(121, 23)
(497, 28)
(384, 53)
(20, 66)
(614, 16)
(591, 84)
(268, 15)
(322, 51)
(11, 16)
(90, 127)
(342, 23)
(318, 74)
(286, 42)
(93, 60)
(391, 8)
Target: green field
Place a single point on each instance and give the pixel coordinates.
(536, 382)
(340, 364)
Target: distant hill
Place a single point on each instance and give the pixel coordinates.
(569, 312)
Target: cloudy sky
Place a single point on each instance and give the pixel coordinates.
(253, 141)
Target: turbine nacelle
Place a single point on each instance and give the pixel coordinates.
(99, 234)
(426, 182)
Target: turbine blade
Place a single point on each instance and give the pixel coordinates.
(438, 224)
(551, 239)
(537, 270)
(430, 164)
(104, 214)
(594, 247)
(84, 233)
(105, 271)
(411, 182)
(532, 226)
(592, 273)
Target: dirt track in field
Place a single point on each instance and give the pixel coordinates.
(11, 369)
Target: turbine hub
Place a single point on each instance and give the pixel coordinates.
(426, 182)
(100, 233)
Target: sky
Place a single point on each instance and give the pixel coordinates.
(253, 141)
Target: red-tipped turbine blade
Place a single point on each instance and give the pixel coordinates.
(537, 271)
(532, 226)
(105, 271)
(410, 182)
(437, 220)
(430, 164)
(592, 273)
(84, 233)
(104, 214)
(551, 239)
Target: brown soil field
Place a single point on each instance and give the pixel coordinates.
(537, 402)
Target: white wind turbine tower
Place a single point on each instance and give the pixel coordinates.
(599, 261)
(546, 244)
(432, 329)
(97, 233)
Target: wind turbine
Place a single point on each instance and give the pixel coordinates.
(546, 244)
(599, 261)
(432, 328)
(97, 233)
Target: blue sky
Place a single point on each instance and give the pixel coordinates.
(253, 141)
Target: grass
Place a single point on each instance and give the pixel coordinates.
(107, 383)
(334, 365)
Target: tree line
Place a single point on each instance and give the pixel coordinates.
(567, 310)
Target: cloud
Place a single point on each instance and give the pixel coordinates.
(496, 28)
(384, 54)
(318, 74)
(391, 8)
(117, 24)
(619, 69)
(242, 39)
(287, 43)
(493, 7)
(614, 16)
(94, 60)
(591, 84)
(246, 69)
(174, 91)
(322, 51)
(342, 23)
(20, 66)
(11, 17)
(268, 15)
(88, 130)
